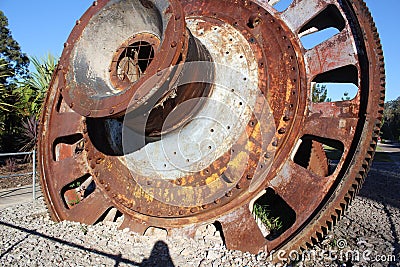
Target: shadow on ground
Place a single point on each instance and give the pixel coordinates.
(159, 255)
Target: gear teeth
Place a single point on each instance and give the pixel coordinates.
(330, 225)
(324, 230)
(320, 236)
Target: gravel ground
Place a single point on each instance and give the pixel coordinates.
(370, 229)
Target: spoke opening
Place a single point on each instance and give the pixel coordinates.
(319, 155)
(75, 192)
(272, 214)
(67, 146)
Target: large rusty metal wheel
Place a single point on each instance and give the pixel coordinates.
(176, 114)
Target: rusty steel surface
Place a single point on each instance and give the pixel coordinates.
(194, 111)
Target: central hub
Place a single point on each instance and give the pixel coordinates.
(132, 59)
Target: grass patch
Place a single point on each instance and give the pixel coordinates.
(273, 224)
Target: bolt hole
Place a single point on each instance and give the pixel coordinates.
(229, 127)
(240, 103)
(212, 130)
(209, 147)
(227, 52)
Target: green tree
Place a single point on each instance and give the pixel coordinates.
(32, 90)
(345, 96)
(319, 93)
(13, 66)
(391, 120)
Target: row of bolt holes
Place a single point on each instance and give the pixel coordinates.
(252, 123)
(212, 130)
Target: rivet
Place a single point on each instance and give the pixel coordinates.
(109, 70)
(96, 174)
(111, 111)
(217, 201)
(159, 72)
(205, 206)
(107, 187)
(178, 181)
(101, 181)
(95, 3)
(286, 118)
(159, 213)
(78, 22)
(98, 161)
(177, 16)
(248, 177)
(71, 104)
(181, 212)
(173, 44)
(93, 165)
(60, 67)
(66, 44)
(275, 143)
(88, 113)
(282, 130)
(238, 186)
(193, 210)
(170, 213)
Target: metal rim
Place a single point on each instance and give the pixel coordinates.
(353, 123)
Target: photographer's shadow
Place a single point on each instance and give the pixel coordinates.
(159, 256)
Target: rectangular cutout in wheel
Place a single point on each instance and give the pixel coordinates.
(67, 146)
(319, 155)
(272, 214)
(76, 191)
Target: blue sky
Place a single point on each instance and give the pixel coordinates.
(43, 26)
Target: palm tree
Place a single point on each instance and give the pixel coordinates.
(33, 89)
(31, 92)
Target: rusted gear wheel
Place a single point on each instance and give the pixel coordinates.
(176, 114)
